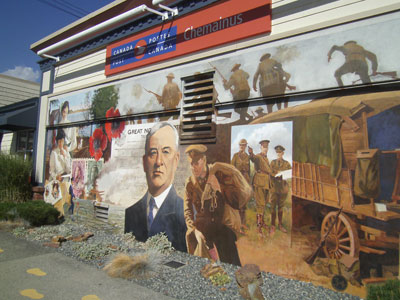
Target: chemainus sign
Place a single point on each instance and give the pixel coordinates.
(211, 26)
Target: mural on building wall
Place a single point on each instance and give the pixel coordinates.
(338, 57)
(318, 169)
(291, 175)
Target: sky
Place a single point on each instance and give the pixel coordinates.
(24, 22)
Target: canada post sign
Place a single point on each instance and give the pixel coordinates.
(211, 26)
(144, 48)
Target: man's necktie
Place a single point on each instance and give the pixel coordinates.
(150, 217)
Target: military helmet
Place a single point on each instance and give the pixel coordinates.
(235, 67)
(265, 56)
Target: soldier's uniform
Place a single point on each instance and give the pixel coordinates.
(279, 188)
(355, 61)
(262, 184)
(241, 161)
(240, 89)
(272, 81)
(171, 94)
(214, 213)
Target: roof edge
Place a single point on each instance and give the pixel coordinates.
(77, 23)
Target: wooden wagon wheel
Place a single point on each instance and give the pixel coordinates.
(343, 238)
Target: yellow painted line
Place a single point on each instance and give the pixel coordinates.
(1, 250)
(31, 293)
(90, 297)
(36, 271)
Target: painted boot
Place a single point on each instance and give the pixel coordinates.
(281, 228)
(272, 228)
(260, 225)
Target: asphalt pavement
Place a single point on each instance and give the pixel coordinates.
(30, 271)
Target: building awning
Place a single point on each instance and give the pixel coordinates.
(19, 116)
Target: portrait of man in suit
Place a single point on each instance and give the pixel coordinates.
(160, 209)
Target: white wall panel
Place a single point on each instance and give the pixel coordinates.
(13, 90)
(81, 63)
(7, 143)
(79, 82)
(41, 139)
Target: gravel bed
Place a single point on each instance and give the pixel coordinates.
(182, 283)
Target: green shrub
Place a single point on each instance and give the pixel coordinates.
(388, 291)
(159, 243)
(89, 251)
(220, 279)
(15, 175)
(8, 211)
(38, 213)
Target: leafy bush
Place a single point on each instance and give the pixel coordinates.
(15, 175)
(91, 251)
(159, 243)
(38, 213)
(220, 279)
(388, 291)
(8, 211)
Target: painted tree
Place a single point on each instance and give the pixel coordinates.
(103, 100)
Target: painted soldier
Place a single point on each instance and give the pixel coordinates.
(279, 189)
(262, 182)
(355, 61)
(241, 160)
(214, 194)
(240, 90)
(171, 95)
(272, 80)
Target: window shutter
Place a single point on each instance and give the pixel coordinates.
(198, 111)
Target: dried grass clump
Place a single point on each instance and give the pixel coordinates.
(11, 225)
(141, 266)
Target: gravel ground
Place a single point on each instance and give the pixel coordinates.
(182, 283)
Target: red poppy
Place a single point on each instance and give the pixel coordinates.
(97, 144)
(114, 128)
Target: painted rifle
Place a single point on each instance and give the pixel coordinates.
(159, 98)
(310, 260)
(222, 76)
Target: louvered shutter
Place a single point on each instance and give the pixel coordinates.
(198, 111)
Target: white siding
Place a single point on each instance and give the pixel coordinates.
(13, 90)
(82, 63)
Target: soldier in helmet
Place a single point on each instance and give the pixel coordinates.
(355, 61)
(262, 182)
(279, 189)
(240, 90)
(171, 95)
(213, 196)
(272, 80)
(241, 161)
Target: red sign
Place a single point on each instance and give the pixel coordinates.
(211, 26)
